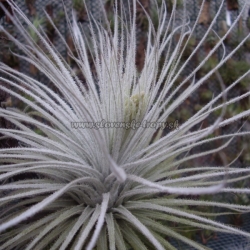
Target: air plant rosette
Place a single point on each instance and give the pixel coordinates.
(112, 187)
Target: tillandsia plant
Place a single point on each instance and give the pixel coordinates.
(99, 175)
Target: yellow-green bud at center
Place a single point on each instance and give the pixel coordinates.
(135, 107)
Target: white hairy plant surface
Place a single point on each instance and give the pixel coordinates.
(126, 186)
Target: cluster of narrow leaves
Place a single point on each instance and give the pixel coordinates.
(111, 188)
